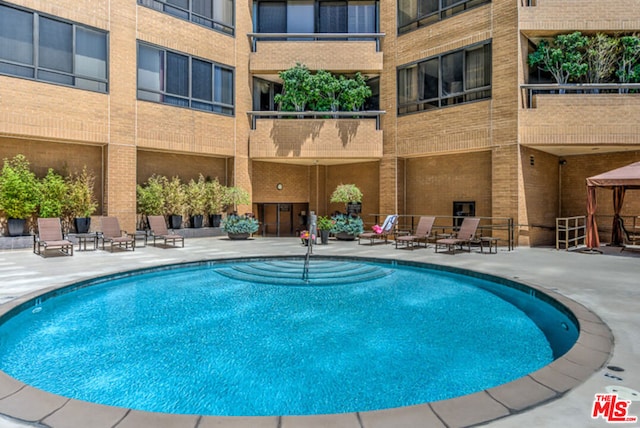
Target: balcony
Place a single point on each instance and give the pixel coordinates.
(337, 52)
(313, 138)
(549, 16)
(574, 119)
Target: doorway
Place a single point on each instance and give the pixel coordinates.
(282, 219)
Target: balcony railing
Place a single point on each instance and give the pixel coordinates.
(256, 37)
(371, 114)
(528, 91)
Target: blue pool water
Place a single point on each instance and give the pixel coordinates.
(193, 340)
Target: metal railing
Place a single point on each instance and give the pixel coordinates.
(529, 90)
(256, 37)
(370, 114)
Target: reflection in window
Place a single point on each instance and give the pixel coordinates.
(50, 45)
(414, 14)
(451, 78)
(178, 79)
(316, 16)
(215, 14)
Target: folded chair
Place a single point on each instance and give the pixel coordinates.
(421, 234)
(113, 235)
(465, 235)
(631, 241)
(159, 230)
(50, 237)
(388, 228)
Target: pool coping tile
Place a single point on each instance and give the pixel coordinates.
(76, 413)
(31, 404)
(339, 420)
(239, 422)
(478, 408)
(137, 419)
(402, 417)
(521, 394)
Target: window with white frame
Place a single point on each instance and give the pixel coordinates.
(178, 79)
(48, 49)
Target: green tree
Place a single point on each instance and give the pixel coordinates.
(175, 197)
(601, 56)
(53, 195)
(150, 196)
(197, 196)
(629, 62)
(18, 188)
(564, 58)
(354, 92)
(81, 201)
(296, 88)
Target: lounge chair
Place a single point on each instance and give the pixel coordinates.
(465, 235)
(388, 228)
(159, 230)
(113, 235)
(631, 241)
(421, 234)
(50, 237)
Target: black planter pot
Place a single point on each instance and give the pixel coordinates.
(175, 221)
(324, 237)
(354, 208)
(16, 226)
(196, 221)
(82, 224)
(214, 220)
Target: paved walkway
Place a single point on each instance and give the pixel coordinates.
(607, 284)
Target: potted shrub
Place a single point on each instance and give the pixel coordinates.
(197, 198)
(324, 225)
(18, 193)
(150, 198)
(217, 201)
(52, 195)
(239, 227)
(235, 196)
(347, 227)
(81, 201)
(175, 200)
(350, 195)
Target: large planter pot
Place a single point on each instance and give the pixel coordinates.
(196, 221)
(324, 237)
(214, 220)
(82, 224)
(175, 221)
(238, 236)
(16, 226)
(344, 236)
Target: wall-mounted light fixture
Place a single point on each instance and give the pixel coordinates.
(279, 186)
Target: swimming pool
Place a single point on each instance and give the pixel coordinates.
(349, 315)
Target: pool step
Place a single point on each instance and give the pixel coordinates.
(289, 272)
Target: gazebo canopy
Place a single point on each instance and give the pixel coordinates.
(627, 177)
(620, 179)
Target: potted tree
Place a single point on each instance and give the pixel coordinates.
(324, 225)
(235, 196)
(150, 198)
(81, 201)
(217, 200)
(350, 195)
(52, 195)
(197, 198)
(175, 200)
(18, 193)
(239, 227)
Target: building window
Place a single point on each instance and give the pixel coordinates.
(43, 48)
(215, 14)
(451, 78)
(174, 78)
(316, 16)
(414, 14)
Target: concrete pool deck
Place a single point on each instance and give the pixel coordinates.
(560, 395)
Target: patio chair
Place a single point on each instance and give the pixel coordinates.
(465, 236)
(159, 230)
(113, 235)
(388, 228)
(421, 234)
(631, 241)
(50, 237)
